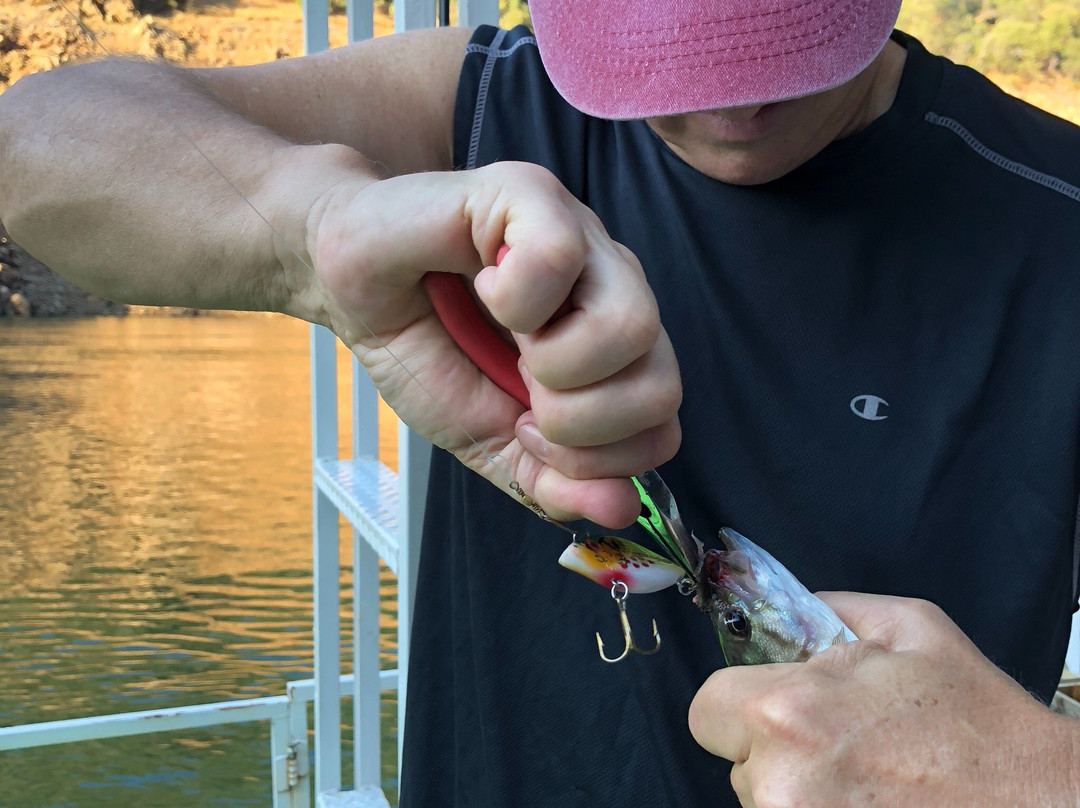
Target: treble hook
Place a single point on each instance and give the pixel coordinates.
(619, 591)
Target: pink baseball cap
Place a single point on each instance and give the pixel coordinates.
(645, 58)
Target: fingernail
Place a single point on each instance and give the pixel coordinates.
(525, 375)
(532, 440)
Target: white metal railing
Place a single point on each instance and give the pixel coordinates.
(286, 714)
(1072, 657)
(386, 511)
(384, 508)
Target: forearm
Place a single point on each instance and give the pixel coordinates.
(103, 182)
(1057, 780)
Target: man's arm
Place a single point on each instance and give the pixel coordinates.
(103, 180)
(344, 156)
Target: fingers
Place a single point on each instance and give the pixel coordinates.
(732, 705)
(603, 379)
(558, 252)
(742, 784)
(643, 395)
(624, 458)
(821, 732)
(540, 269)
(602, 376)
(611, 502)
(728, 738)
(613, 320)
(898, 624)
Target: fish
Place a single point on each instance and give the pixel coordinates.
(760, 611)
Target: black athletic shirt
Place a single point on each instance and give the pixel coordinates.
(881, 361)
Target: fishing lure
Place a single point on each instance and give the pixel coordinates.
(758, 609)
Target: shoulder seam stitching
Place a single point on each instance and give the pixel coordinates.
(493, 53)
(1021, 170)
(497, 52)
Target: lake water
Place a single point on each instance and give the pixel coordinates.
(155, 550)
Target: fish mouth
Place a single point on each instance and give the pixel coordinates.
(732, 539)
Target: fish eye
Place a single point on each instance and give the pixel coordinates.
(736, 623)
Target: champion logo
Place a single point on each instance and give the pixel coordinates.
(869, 407)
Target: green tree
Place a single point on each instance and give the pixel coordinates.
(1018, 37)
(1059, 32)
(514, 12)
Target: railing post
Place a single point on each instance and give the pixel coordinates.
(327, 572)
(298, 740)
(1072, 658)
(472, 13)
(288, 756)
(414, 461)
(316, 25)
(359, 19)
(367, 752)
(412, 14)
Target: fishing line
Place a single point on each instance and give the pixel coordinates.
(493, 459)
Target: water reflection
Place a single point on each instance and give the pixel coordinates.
(155, 512)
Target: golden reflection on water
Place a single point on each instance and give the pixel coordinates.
(155, 526)
(163, 431)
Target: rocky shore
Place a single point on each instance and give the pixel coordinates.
(28, 288)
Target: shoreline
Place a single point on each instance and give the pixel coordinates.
(28, 289)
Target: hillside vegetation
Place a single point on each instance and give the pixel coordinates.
(1031, 48)
(1025, 38)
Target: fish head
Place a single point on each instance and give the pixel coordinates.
(759, 610)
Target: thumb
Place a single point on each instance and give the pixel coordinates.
(899, 624)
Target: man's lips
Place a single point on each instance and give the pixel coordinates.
(741, 123)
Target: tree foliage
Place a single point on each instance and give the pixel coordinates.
(514, 12)
(1016, 37)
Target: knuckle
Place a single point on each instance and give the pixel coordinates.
(562, 252)
(936, 629)
(666, 442)
(781, 713)
(925, 610)
(553, 422)
(638, 328)
(628, 256)
(658, 402)
(559, 434)
(667, 398)
(537, 174)
(575, 463)
(514, 172)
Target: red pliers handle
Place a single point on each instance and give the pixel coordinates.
(495, 357)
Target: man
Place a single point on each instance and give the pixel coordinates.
(862, 256)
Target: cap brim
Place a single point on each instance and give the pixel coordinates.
(644, 58)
